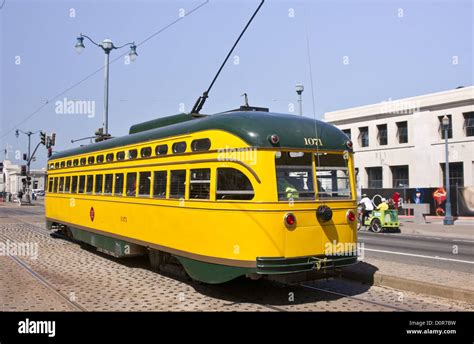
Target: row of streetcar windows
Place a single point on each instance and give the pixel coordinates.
(197, 145)
(231, 184)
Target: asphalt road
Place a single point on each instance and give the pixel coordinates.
(444, 253)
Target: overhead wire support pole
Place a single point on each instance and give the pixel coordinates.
(202, 99)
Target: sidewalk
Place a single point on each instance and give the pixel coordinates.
(462, 229)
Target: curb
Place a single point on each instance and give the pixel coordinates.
(432, 289)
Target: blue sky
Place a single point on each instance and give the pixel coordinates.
(394, 49)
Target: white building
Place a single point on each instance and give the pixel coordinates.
(401, 143)
(11, 178)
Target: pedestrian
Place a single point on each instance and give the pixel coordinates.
(383, 205)
(396, 199)
(367, 207)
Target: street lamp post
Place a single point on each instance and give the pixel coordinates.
(448, 218)
(107, 46)
(299, 91)
(28, 159)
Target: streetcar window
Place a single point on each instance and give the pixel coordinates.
(90, 160)
(131, 184)
(332, 174)
(74, 184)
(83, 161)
(82, 184)
(159, 184)
(161, 149)
(56, 165)
(200, 145)
(51, 166)
(98, 184)
(199, 184)
(90, 183)
(233, 185)
(109, 157)
(56, 184)
(145, 183)
(177, 183)
(69, 163)
(67, 187)
(75, 162)
(62, 164)
(100, 159)
(61, 184)
(118, 184)
(109, 178)
(120, 155)
(179, 147)
(50, 187)
(145, 152)
(295, 176)
(132, 153)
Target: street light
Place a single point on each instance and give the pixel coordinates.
(107, 46)
(448, 218)
(299, 91)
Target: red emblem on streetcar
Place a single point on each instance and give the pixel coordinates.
(91, 213)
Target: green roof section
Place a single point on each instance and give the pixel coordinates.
(253, 127)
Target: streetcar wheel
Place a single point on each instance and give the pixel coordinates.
(376, 226)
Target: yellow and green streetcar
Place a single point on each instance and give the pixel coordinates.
(240, 193)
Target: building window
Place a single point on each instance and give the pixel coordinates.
(374, 175)
(233, 185)
(347, 132)
(74, 184)
(450, 127)
(456, 174)
(118, 189)
(199, 184)
(82, 184)
(98, 184)
(90, 183)
(132, 153)
(364, 137)
(131, 184)
(177, 183)
(161, 149)
(382, 134)
(469, 123)
(145, 152)
(109, 178)
(400, 176)
(120, 155)
(200, 145)
(159, 184)
(145, 183)
(402, 132)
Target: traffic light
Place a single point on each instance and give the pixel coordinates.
(25, 157)
(23, 170)
(43, 138)
(53, 139)
(28, 180)
(50, 152)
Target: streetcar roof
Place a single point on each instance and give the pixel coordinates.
(253, 127)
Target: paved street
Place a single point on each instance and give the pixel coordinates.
(430, 251)
(67, 277)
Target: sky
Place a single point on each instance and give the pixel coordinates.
(358, 53)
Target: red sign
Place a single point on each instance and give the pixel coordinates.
(92, 214)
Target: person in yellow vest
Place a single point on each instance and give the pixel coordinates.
(383, 205)
(284, 186)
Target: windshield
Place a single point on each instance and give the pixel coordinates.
(296, 173)
(332, 175)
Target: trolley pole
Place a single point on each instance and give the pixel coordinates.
(448, 218)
